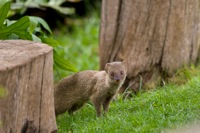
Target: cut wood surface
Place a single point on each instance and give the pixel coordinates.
(26, 78)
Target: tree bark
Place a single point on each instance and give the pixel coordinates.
(26, 78)
(155, 37)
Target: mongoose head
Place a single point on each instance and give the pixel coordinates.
(116, 71)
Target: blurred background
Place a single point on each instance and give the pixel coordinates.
(74, 23)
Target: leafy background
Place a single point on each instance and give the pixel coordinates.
(30, 28)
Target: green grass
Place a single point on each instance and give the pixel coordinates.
(152, 111)
(174, 105)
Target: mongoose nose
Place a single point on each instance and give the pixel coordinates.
(117, 80)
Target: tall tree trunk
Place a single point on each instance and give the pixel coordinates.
(26, 87)
(153, 36)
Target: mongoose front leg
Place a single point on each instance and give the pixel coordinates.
(106, 103)
(97, 105)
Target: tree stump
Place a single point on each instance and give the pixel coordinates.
(155, 37)
(26, 87)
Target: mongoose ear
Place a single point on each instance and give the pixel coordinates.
(125, 64)
(106, 67)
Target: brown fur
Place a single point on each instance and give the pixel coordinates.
(74, 91)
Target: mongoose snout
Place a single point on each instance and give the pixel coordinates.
(117, 76)
(72, 92)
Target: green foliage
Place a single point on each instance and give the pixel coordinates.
(30, 28)
(19, 28)
(63, 64)
(184, 74)
(81, 41)
(22, 5)
(154, 111)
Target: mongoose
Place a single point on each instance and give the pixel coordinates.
(72, 92)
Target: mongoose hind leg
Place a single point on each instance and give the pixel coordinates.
(75, 107)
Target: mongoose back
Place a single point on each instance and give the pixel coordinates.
(72, 92)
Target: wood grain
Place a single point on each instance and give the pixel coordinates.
(26, 74)
(155, 37)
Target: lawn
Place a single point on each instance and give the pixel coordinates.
(168, 107)
(152, 111)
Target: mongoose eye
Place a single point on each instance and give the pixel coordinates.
(121, 72)
(111, 73)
